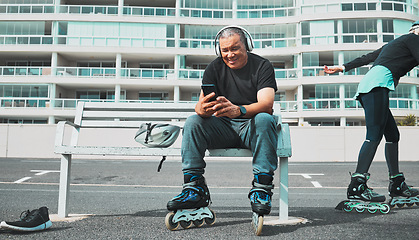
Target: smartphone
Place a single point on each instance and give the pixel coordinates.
(209, 88)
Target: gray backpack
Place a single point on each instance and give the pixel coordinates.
(157, 135)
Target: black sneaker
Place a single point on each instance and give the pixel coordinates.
(35, 220)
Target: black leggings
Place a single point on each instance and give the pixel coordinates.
(379, 122)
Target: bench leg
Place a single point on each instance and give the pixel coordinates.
(65, 173)
(283, 189)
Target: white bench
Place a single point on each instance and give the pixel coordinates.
(130, 115)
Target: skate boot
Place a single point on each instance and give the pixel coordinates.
(362, 197)
(191, 205)
(260, 199)
(400, 193)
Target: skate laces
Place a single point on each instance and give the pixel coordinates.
(27, 215)
(188, 194)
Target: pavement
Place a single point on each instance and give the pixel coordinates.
(126, 199)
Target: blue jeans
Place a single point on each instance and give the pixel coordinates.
(257, 134)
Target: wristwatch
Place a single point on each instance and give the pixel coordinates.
(242, 111)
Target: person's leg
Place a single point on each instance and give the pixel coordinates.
(392, 136)
(200, 134)
(375, 104)
(259, 135)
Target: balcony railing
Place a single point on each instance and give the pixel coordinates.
(206, 13)
(87, 9)
(322, 7)
(26, 8)
(267, 13)
(150, 11)
(332, 104)
(278, 12)
(163, 74)
(86, 72)
(192, 74)
(286, 73)
(21, 102)
(26, 39)
(25, 71)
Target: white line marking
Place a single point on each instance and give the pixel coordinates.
(42, 172)
(316, 184)
(22, 179)
(305, 175)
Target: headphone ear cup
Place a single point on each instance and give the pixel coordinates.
(217, 50)
(249, 44)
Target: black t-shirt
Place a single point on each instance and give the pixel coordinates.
(240, 86)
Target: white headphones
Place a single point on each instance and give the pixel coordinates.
(248, 43)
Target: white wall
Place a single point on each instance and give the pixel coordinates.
(308, 143)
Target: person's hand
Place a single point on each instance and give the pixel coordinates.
(204, 107)
(332, 70)
(224, 108)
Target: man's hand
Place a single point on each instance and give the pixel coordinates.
(204, 108)
(332, 70)
(224, 108)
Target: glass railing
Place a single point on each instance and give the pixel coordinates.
(286, 106)
(25, 8)
(86, 72)
(312, 8)
(150, 11)
(321, 104)
(21, 102)
(86, 9)
(116, 42)
(286, 74)
(196, 43)
(206, 13)
(275, 43)
(25, 39)
(192, 74)
(349, 6)
(162, 74)
(267, 13)
(24, 71)
(332, 104)
(313, 71)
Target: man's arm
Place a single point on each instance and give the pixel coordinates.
(265, 97)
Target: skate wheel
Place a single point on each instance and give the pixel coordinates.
(372, 211)
(386, 209)
(360, 210)
(347, 208)
(210, 221)
(400, 205)
(169, 222)
(417, 203)
(257, 222)
(186, 224)
(410, 204)
(198, 223)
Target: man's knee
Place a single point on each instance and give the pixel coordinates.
(264, 120)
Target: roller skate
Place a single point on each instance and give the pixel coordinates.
(260, 199)
(190, 207)
(361, 197)
(401, 194)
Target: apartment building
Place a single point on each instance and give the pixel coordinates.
(55, 53)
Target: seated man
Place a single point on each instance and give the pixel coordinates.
(240, 117)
